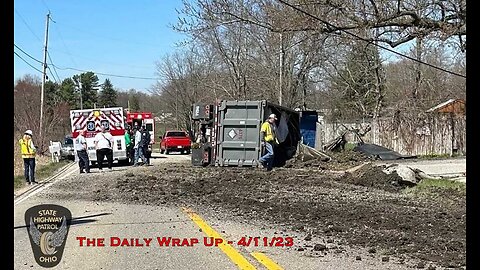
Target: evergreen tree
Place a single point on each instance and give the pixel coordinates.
(108, 95)
(52, 95)
(67, 92)
(134, 104)
(89, 88)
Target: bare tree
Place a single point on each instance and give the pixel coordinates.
(265, 58)
(185, 83)
(27, 112)
(297, 52)
(26, 96)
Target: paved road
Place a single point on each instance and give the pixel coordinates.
(455, 168)
(93, 219)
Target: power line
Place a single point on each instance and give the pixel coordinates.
(54, 69)
(67, 51)
(101, 62)
(102, 36)
(364, 39)
(45, 4)
(23, 20)
(27, 54)
(51, 73)
(64, 45)
(108, 74)
(27, 62)
(82, 70)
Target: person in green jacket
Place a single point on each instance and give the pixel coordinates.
(128, 143)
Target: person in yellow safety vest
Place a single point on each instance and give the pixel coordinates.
(28, 154)
(269, 141)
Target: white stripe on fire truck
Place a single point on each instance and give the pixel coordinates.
(118, 119)
(77, 119)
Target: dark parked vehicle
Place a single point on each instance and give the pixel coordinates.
(68, 151)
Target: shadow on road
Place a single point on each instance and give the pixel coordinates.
(74, 221)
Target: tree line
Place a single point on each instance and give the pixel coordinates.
(332, 56)
(79, 91)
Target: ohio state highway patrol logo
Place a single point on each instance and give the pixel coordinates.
(48, 226)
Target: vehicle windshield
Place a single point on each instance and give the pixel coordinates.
(68, 141)
(176, 134)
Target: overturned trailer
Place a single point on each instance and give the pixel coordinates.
(236, 132)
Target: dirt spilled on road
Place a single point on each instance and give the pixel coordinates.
(364, 208)
(340, 160)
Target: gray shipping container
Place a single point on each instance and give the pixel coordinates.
(238, 132)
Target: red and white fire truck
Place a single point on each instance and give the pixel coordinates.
(143, 118)
(91, 120)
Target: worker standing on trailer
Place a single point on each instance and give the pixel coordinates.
(269, 141)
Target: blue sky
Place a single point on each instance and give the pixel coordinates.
(117, 37)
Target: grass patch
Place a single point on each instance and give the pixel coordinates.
(437, 186)
(49, 169)
(41, 172)
(350, 146)
(18, 182)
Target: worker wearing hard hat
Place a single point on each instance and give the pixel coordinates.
(269, 141)
(28, 150)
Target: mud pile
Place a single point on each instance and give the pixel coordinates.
(340, 160)
(372, 176)
(362, 208)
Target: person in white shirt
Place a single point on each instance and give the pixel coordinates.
(138, 149)
(104, 147)
(81, 148)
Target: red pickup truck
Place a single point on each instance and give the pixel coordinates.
(175, 140)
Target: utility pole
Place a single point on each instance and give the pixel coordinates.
(44, 75)
(80, 91)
